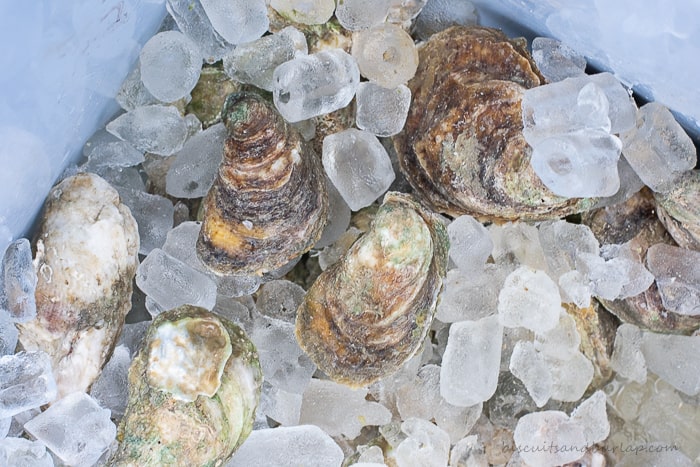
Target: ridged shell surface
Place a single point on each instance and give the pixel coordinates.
(462, 148)
(268, 204)
(370, 312)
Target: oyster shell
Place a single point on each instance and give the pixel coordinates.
(193, 390)
(86, 257)
(268, 204)
(635, 221)
(370, 312)
(462, 148)
(679, 210)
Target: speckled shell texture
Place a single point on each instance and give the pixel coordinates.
(462, 148)
(370, 312)
(268, 204)
(679, 210)
(158, 429)
(635, 221)
(86, 257)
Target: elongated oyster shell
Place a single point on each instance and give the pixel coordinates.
(86, 257)
(268, 204)
(369, 312)
(193, 390)
(462, 148)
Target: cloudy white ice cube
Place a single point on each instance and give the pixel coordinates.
(549, 438)
(382, 111)
(18, 282)
(674, 359)
(8, 334)
(529, 299)
(153, 214)
(25, 453)
(555, 60)
(426, 445)
(237, 21)
(470, 244)
(26, 381)
(193, 22)
(437, 15)
(530, 367)
(159, 129)
(385, 54)
(111, 389)
(355, 15)
(677, 274)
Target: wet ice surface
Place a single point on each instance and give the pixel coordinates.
(555, 60)
(26, 382)
(17, 283)
(382, 111)
(193, 22)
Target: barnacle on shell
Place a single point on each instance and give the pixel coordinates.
(369, 312)
(268, 204)
(462, 148)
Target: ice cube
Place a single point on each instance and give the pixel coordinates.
(338, 217)
(195, 166)
(382, 111)
(361, 14)
(153, 214)
(530, 299)
(517, 243)
(530, 367)
(571, 375)
(677, 273)
(471, 362)
(575, 288)
(133, 93)
(385, 54)
(280, 299)
(316, 84)
(593, 418)
(159, 129)
(437, 15)
(237, 21)
(627, 358)
(18, 282)
(470, 297)
(106, 150)
(26, 381)
(561, 241)
(674, 359)
(170, 65)
(549, 438)
(560, 341)
(470, 244)
(193, 22)
(305, 11)
(111, 388)
(8, 334)
(426, 445)
(22, 452)
(468, 452)
(75, 428)
(557, 61)
(358, 165)
(281, 406)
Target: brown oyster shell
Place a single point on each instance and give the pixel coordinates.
(369, 312)
(268, 204)
(86, 257)
(462, 148)
(635, 221)
(679, 210)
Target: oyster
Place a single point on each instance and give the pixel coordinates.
(369, 312)
(462, 148)
(635, 221)
(193, 390)
(679, 210)
(86, 257)
(268, 204)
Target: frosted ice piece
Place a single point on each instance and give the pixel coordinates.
(306, 128)
(255, 62)
(237, 286)
(542, 436)
(280, 299)
(469, 297)
(317, 84)
(22, 452)
(170, 65)
(657, 148)
(529, 366)
(283, 363)
(123, 178)
(338, 217)
(354, 15)
(132, 336)
(111, 388)
(575, 288)
(557, 61)
(194, 169)
(133, 93)
(235, 311)
(358, 165)
(401, 12)
(674, 359)
(560, 341)
(561, 241)
(370, 455)
(18, 282)
(281, 406)
(591, 415)
(571, 375)
(510, 401)
(529, 299)
(288, 447)
(237, 21)
(517, 242)
(469, 452)
(172, 283)
(627, 358)
(441, 14)
(677, 273)
(615, 278)
(385, 54)
(26, 381)
(340, 410)
(578, 164)
(630, 183)
(75, 428)
(420, 397)
(8, 334)
(470, 244)
(471, 361)
(193, 22)
(159, 129)
(380, 110)
(106, 150)
(154, 216)
(305, 11)
(426, 445)
(656, 454)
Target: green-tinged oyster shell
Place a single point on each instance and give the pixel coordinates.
(193, 390)
(679, 210)
(369, 312)
(86, 257)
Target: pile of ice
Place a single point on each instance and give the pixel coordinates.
(503, 377)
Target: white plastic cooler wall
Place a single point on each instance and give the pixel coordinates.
(62, 62)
